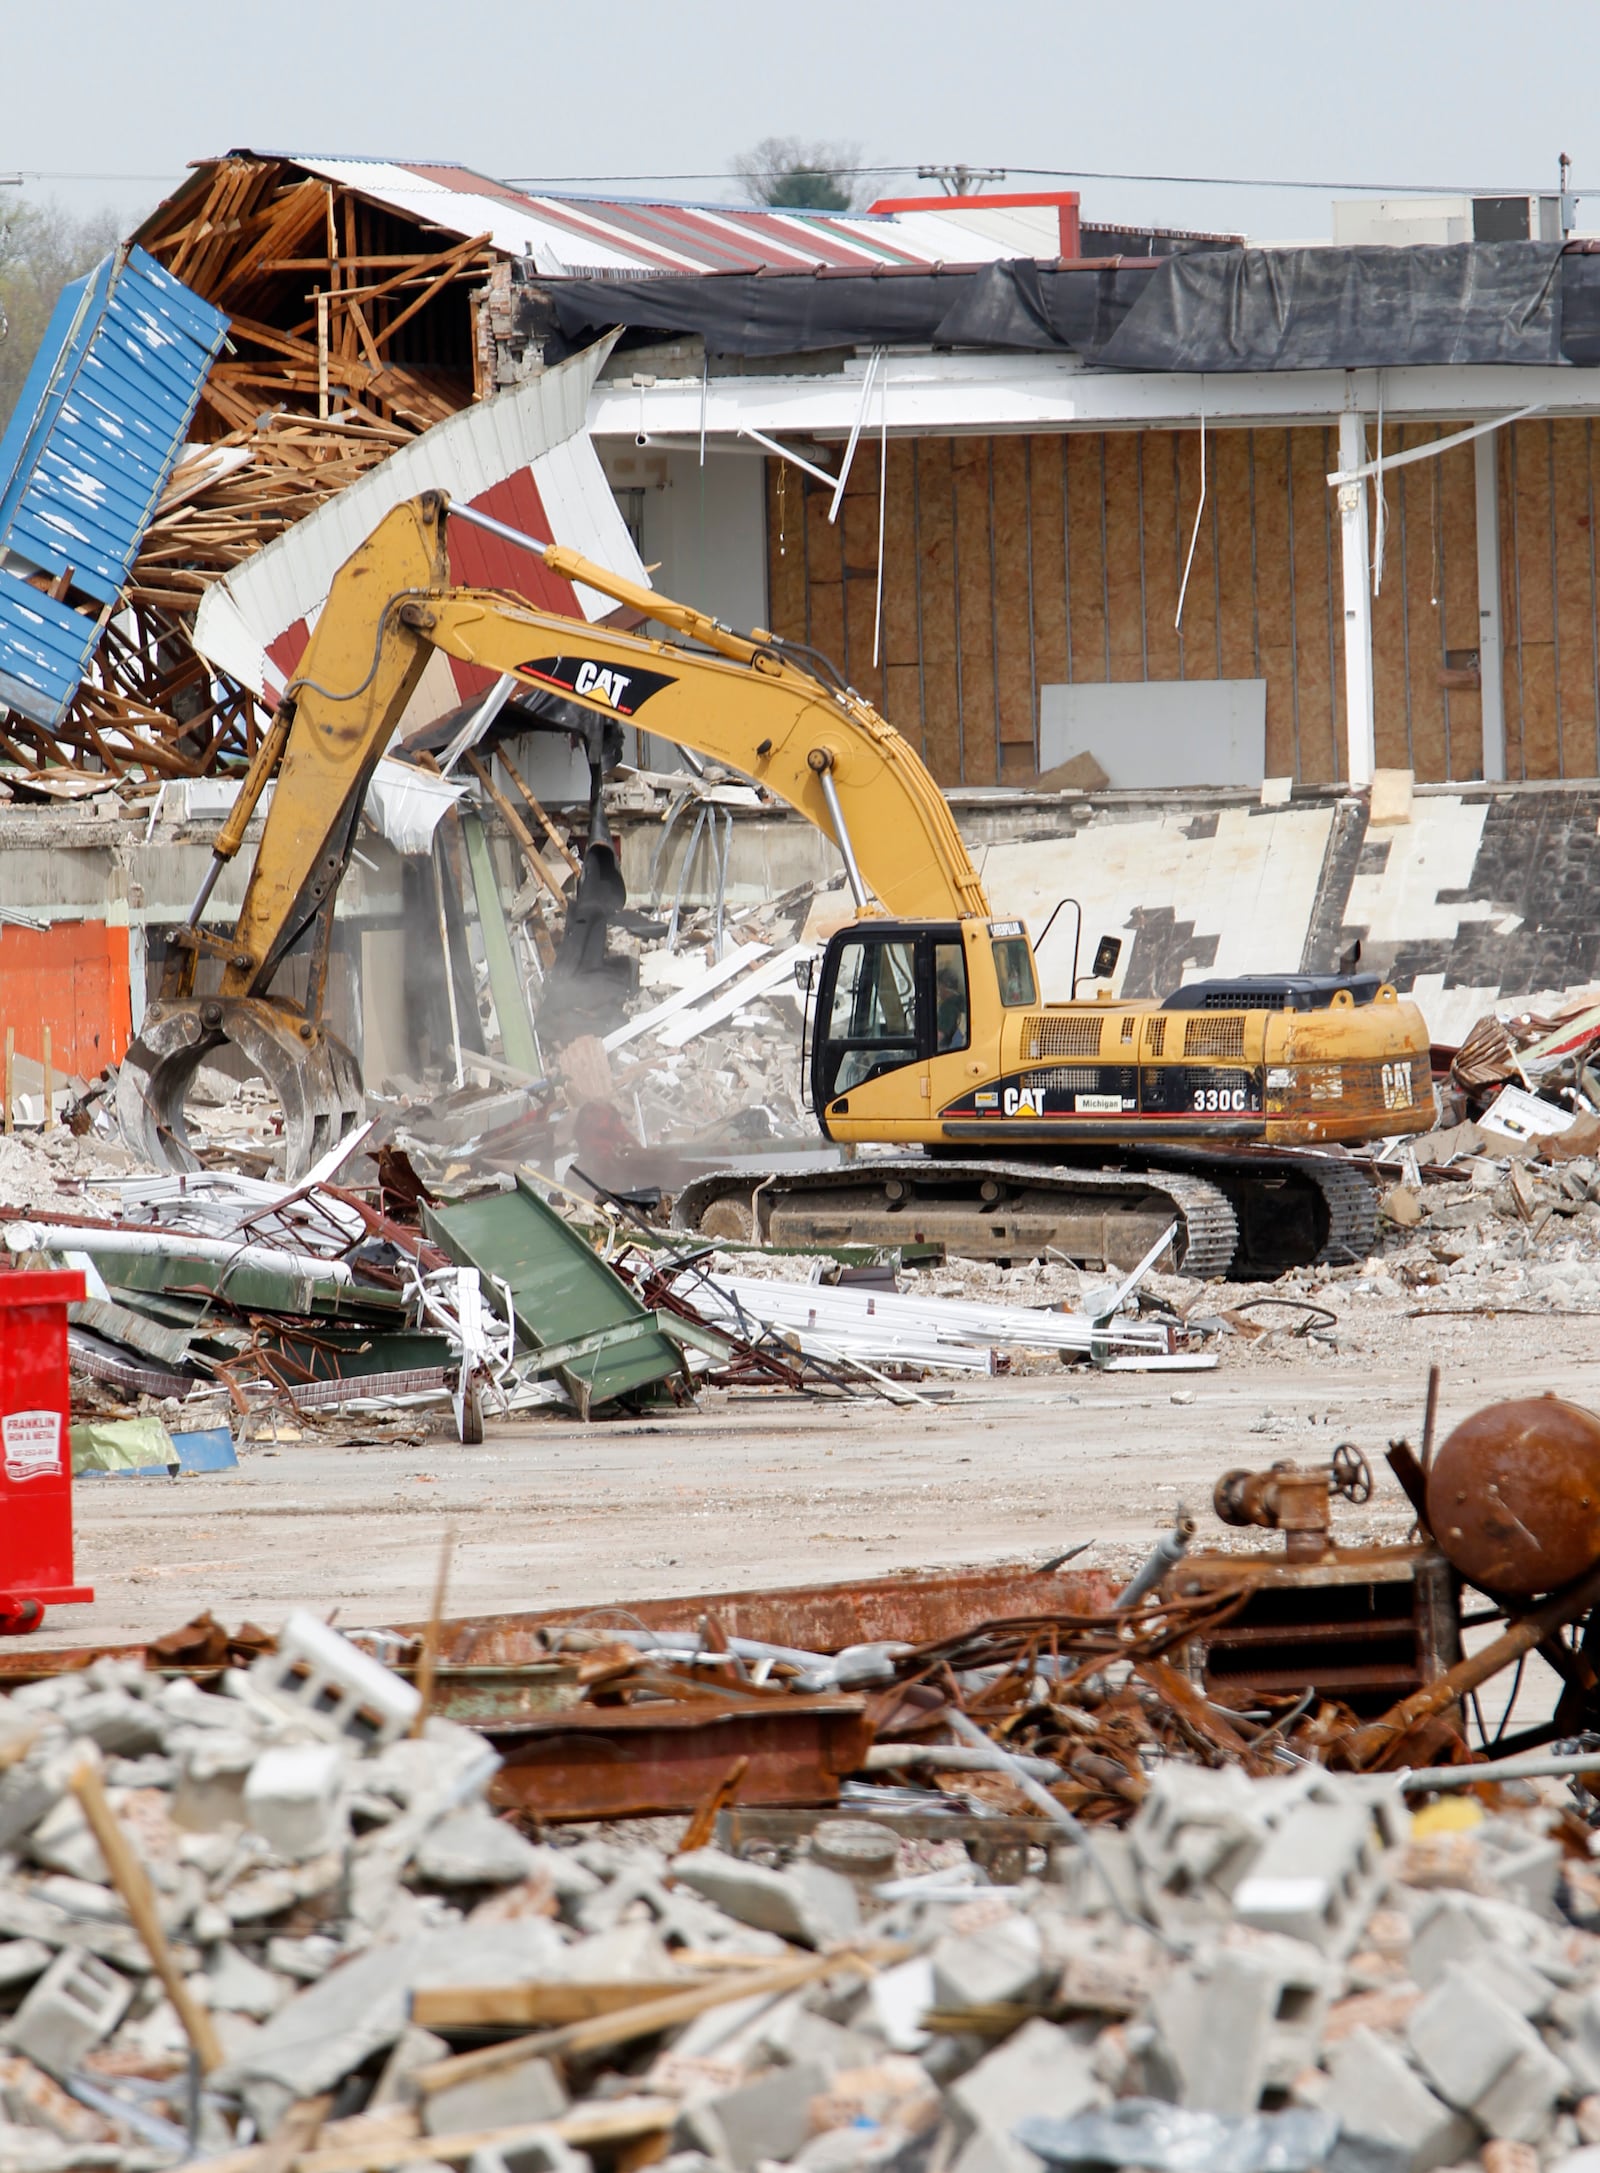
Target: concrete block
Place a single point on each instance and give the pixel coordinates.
(1518, 2104)
(415, 2047)
(303, 1959)
(570, 1880)
(324, 1680)
(1524, 1865)
(1041, 2069)
(1080, 1886)
(1194, 1836)
(1455, 1935)
(1215, 2022)
(62, 1841)
(530, 2091)
(1482, 2057)
(897, 2000)
(986, 2152)
(292, 1798)
(1109, 1980)
(807, 1902)
(1240, 2019)
(549, 2153)
(237, 1985)
(794, 2032)
(28, 1791)
(78, 2001)
(1318, 1875)
(1004, 1961)
(21, 1959)
(1389, 2120)
(471, 1847)
(767, 2118)
(123, 1726)
(634, 1950)
(213, 1767)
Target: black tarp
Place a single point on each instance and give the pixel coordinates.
(1211, 310)
(1347, 309)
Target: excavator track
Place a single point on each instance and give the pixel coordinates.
(1108, 1216)
(1352, 1213)
(1252, 1217)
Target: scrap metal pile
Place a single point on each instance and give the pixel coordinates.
(979, 1870)
(462, 1281)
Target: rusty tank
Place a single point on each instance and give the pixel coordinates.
(1514, 1496)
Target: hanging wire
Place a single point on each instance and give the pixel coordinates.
(1183, 589)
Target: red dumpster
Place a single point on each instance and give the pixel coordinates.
(35, 1453)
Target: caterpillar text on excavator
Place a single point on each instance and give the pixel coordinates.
(1091, 1126)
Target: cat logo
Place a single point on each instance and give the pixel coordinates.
(607, 685)
(1024, 1101)
(1396, 1081)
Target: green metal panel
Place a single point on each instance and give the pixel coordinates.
(510, 999)
(267, 1290)
(562, 1293)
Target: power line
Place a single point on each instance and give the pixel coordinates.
(39, 173)
(1065, 173)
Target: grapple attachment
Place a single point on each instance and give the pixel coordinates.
(315, 1077)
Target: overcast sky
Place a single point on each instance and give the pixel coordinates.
(108, 100)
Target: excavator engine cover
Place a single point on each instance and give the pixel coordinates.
(315, 1077)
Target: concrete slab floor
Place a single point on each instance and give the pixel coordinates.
(755, 1490)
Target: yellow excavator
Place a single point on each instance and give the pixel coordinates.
(1089, 1127)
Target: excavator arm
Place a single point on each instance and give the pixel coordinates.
(742, 700)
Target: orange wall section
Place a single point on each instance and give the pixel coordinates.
(73, 978)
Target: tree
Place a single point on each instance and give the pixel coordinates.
(791, 174)
(42, 248)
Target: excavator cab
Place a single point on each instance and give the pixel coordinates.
(876, 1001)
(894, 994)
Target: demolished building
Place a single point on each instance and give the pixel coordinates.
(968, 448)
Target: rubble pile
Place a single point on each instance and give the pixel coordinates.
(372, 1968)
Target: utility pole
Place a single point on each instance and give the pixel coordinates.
(961, 180)
(1569, 202)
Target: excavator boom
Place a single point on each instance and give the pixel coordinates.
(935, 1035)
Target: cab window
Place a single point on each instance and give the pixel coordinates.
(952, 1019)
(872, 1020)
(1013, 970)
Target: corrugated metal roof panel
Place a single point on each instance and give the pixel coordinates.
(43, 648)
(643, 234)
(537, 432)
(85, 459)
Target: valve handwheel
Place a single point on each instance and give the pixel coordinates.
(1350, 1474)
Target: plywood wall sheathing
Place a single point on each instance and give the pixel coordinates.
(1046, 482)
(1533, 595)
(1275, 616)
(1014, 590)
(1018, 562)
(1314, 582)
(1089, 628)
(858, 542)
(1458, 532)
(1572, 537)
(1124, 550)
(902, 644)
(975, 603)
(936, 576)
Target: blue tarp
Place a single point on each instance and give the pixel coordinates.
(85, 458)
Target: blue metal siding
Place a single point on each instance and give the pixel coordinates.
(85, 459)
